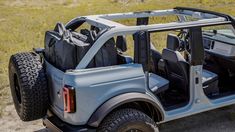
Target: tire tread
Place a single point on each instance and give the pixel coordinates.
(33, 84)
(118, 117)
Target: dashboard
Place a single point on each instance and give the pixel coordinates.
(219, 45)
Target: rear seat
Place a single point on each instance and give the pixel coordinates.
(157, 84)
(107, 55)
(121, 46)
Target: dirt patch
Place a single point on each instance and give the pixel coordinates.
(10, 122)
(220, 120)
(2, 19)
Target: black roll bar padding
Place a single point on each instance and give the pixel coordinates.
(196, 44)
(73, 25)
(142, 49)
(228, 17)
(146, 36)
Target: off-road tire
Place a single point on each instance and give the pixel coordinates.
(28, 85)
(128, 120)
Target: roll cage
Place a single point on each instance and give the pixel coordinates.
(111, 28)
(106, 21)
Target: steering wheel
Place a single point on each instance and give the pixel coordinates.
(184, 41)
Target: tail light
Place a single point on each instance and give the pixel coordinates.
(69, 99)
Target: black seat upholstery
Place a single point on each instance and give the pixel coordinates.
(121, 43)
(121, 46)
(178, 68)
(155, 58)
(107, 55)
(173, 42)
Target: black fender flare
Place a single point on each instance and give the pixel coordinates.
(117, 101)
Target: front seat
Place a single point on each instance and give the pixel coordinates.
(177, 67)
(121, 46)
(155, 58)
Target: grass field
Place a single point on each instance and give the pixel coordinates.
(24, 22)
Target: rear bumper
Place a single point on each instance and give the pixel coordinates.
(54, 124)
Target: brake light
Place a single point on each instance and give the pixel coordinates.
(69, 99)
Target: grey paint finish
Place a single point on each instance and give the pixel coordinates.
(199, 102)
(55, 82)
(107, 82)
(97, 85)
(94, 87)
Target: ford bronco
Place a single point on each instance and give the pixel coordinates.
(85, 80)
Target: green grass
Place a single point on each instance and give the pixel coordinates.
(24, 22)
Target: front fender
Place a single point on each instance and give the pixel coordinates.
(117, 101)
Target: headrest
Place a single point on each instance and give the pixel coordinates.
(173, 42)
(94, 28)
(121, 43)
(90, 35)
(172, 56)
(60, 28)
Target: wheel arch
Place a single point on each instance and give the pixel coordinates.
(139, 101)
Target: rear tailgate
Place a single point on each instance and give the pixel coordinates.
(55, 82)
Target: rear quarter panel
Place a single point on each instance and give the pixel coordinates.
(93, 87)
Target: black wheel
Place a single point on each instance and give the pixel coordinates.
(28, 86)
(128, 120)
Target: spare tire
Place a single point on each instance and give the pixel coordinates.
(28, 85)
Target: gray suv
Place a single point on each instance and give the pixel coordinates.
(82, 80)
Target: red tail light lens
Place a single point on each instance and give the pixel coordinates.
(69, 99)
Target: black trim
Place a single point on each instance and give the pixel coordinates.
(54, 124)
(117, 101)
(73, 25)
(203, 11)
(228, 17)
